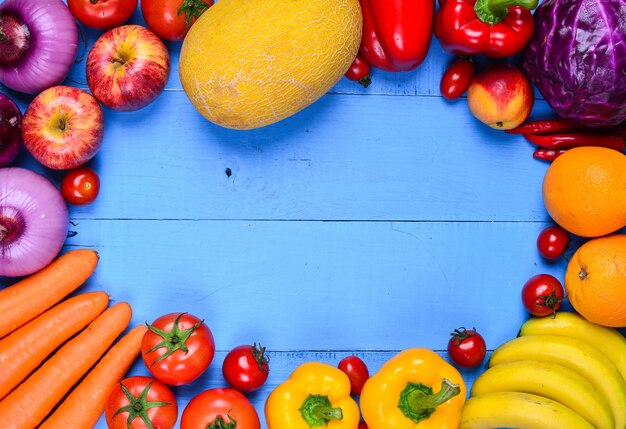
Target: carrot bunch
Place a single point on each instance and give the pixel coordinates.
(34, 378)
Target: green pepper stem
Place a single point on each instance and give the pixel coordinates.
(494, 11)
(317, 411)
(327, 413)
(420, 401)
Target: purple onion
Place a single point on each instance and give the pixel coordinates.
(38, 44)
(33, 222)
(10, 126)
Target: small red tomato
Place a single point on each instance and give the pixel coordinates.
(246, 367)
(552, 242)
(542, 295)
(102, 14)
(362, 425)
(172, 19)
(359, 71)
(220, 408)
(467, 348)
(80, 186)
(456, 79)
(137, 401)
(357, 372)
(177, 348)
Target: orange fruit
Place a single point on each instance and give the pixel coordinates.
(584, 191)
(595, 280)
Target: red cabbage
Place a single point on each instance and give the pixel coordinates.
(577, 59)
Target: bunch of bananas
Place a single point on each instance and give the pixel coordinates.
(559, 373)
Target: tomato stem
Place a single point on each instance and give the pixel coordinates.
(173, 340)
(192, 9)
(220, 423)
(138, 406)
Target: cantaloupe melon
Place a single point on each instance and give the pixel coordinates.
(249, 63)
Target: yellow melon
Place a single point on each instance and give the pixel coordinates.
(249, 63)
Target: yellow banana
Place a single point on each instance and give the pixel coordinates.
(518, 410)
(608, 340)
(552, 381)
(577, 355)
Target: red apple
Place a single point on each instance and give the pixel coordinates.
(127, 68)
(63, 127)
(501, 97)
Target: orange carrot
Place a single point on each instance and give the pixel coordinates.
(23, 350)
(35, 294)
(84, 406)
(31, 401)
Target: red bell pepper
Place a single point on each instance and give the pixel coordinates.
(396, 33)
(495, 28)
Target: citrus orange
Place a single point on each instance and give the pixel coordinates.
(595, 280)
(584, 191)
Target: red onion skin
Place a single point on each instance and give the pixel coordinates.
(33, 222)
(38, 44)
(10, 134)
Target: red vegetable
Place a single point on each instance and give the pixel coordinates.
(396, 33)
(552, 242)
(246, 367)
(456, 79)
(80, 186)
(568, 141)
(542, 295)
(172, 19)
(546, 126)
(495, 28)
(467, 348)
(362, 425)
(357, 372)
(102, 14)
(359, 71)
(220, 409)
(548, 154)
(178, 348)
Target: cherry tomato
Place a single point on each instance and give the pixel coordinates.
(456, 79)
(177, 348)
(246, 367)
(220, 408)
(542, 295)
(362, 425)
(467, 348)
(357, 372)
(171, 19)
(359, 71)
(552, 242)
(80, 186)
(102, 14)
(136, 401)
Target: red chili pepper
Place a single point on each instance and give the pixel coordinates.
(359, 71)
(456, 79)
(548, 154)
(568, 141)
(495, 28)
(396, 33)
(547, 126)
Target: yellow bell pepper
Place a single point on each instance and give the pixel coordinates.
(316, 395)
(416, 389)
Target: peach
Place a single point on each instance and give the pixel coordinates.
(501, 97)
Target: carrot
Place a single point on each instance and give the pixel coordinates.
(31, 401)
(23, 350)
(35, 294)
(84, 406)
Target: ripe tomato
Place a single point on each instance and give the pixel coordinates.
(171, 19)
(102, 14)
(542, 295)
(356, 371)
(456, 79)
(141, 402)
(552, 242)
(362, 425)
(246, 367)
(177, 348)
(467, 348)
(80, 186)
(359, 71)
(220, 408)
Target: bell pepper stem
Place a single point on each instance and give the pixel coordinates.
(417, 401)
(317, 411)
(494, 11)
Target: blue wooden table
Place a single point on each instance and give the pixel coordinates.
(375, 220)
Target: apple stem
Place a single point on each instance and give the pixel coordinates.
(62, 124)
